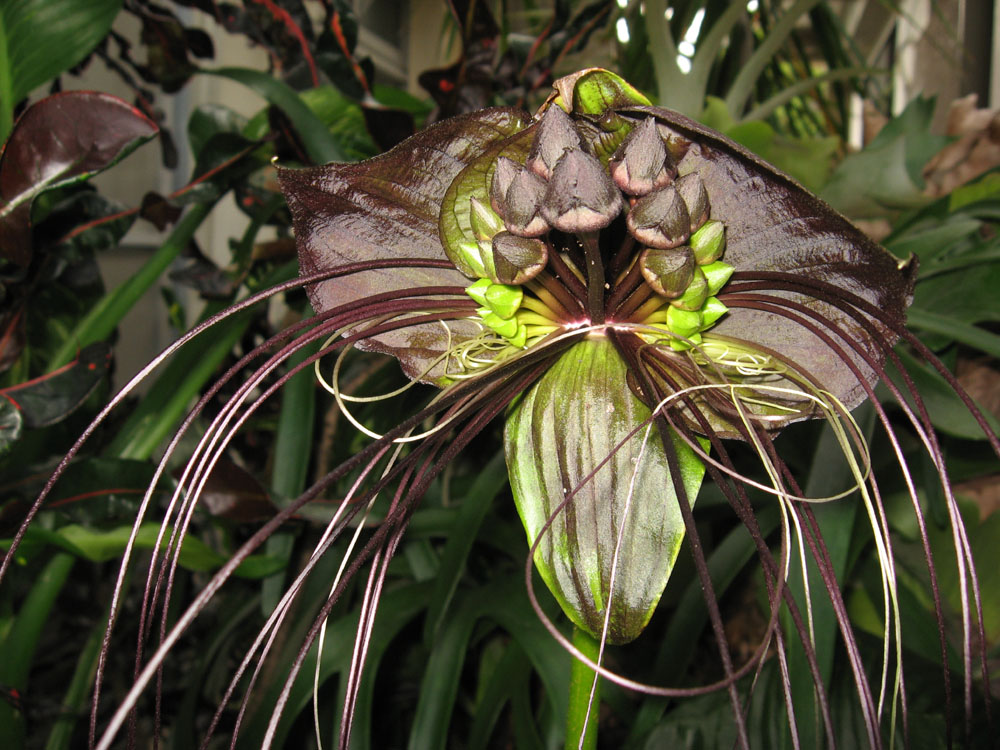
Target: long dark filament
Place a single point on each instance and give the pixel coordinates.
(740, 503)
(928, 435)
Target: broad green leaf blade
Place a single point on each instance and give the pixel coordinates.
(319, 142)
(477, 502)
(569, 422)
(43, 38)
(62, 139)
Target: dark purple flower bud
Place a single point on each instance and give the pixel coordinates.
(667, 270)
(660, 219)
(556, 135)
(518, 259)
(641, 164)
(524, 196)
(504, 174)
(692, 190)
(581, 196)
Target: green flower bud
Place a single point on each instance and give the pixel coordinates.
(718, 274)
(506, 327)
(478, 291)
(684, 322)
(695, 294)
(712, 311)
(709, 242)
(504, 300)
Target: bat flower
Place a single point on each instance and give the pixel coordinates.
(604, 259)
(626, 289)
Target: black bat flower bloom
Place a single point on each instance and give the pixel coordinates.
(626, 289)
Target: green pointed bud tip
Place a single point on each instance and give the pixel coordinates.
(717, 273)
(684, 322)
(682, 346)
(478, 291)
(506, 327)
(503, 299)
(467, 258)
(712, 311)
(520, 338)
(695, 294)
(597, 91)
(709, 242)
(485, 221)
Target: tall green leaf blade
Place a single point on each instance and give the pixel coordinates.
(43, 38)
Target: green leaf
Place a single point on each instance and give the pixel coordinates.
(39, 39)
(103, 545)
(478, 500)
(569, 422)
(319, 142)
(21, 641)
(885, 176)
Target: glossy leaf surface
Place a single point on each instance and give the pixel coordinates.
(62, 139)
(773, 224)
(573, 418)
(386, 208)
(42, 39)
(48, 399)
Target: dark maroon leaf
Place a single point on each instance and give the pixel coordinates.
(61, 139)
(774, 224)
(388, 207)
(388, 126)
(50, 398)
(12, 337)
(157, 210)
(201, 274)
(231, 492)
(167, 50)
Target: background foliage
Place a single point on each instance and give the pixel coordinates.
(458, 657)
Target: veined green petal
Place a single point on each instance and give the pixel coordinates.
(570, 421)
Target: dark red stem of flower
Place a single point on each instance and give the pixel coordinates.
(595, 277)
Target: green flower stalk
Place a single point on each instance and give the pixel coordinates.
(627, 290)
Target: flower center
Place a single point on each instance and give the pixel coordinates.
(573, 222)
